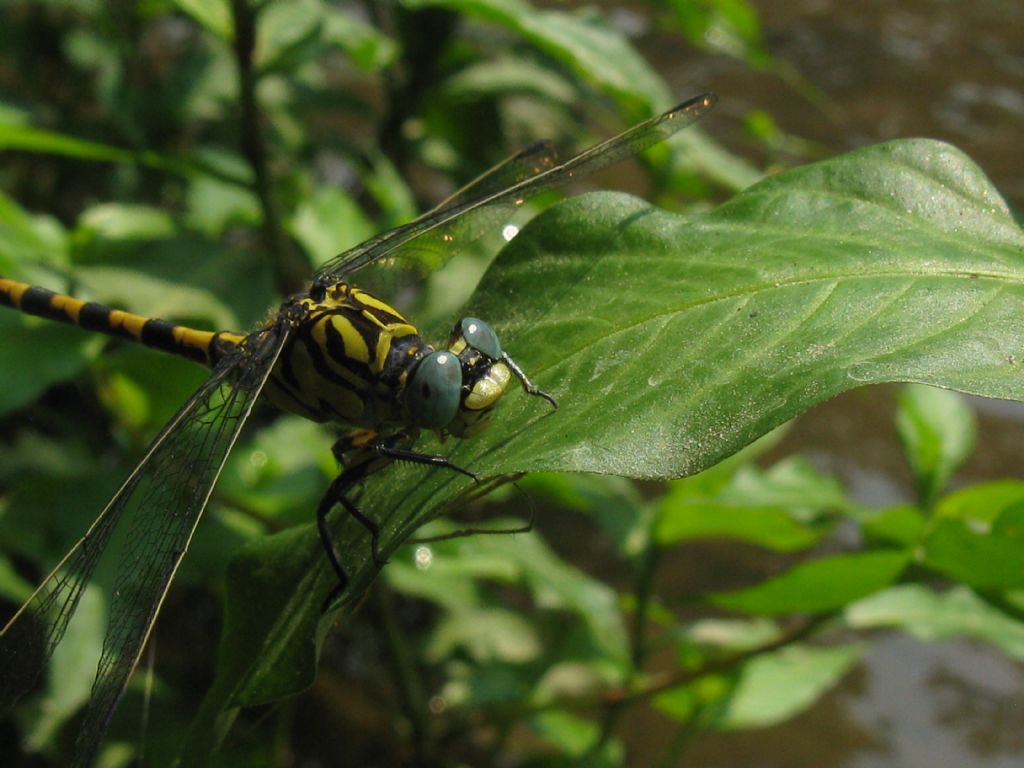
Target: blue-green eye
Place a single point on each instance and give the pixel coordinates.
(479, 335)
(433, 394)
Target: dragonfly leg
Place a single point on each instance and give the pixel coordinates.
(336, 494)
(413, 457)
(361, 454)
(528, 386)
(471, 531)
(463, 533)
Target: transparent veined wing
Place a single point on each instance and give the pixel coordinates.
(161, 503)
(482, 205)
(524, 164)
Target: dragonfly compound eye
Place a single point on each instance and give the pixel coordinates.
(434, 392)
(478, 335)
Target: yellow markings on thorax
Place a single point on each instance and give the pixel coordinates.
(355, 345)
(373, 302)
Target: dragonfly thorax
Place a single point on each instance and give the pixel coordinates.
(347, 360)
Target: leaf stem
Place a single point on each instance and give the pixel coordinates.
(647, 566)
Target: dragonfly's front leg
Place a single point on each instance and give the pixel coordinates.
(361, 454)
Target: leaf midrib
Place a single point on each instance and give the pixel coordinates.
(750, 292)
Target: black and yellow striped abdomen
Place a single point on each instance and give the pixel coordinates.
(206, 347)
(347, 360)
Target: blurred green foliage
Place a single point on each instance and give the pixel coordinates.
(145, 169)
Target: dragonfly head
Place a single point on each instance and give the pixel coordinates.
(456, 389)
(485, 376)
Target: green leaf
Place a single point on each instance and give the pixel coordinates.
(30, 139)
(13, 586)
(368, 48)
(615, 503)
(112, 229)
(289, 35)
(525, 558)
(775, 687)
(260, 575)
(983, 556)
(770, 527)
(575, 737)
(979, 505)
(766, 690)
(214, 204)
(451, 588)
(67, 352)
(937, 430)
(72, 669)
(733, 634)
(214, 15)
(769, 509)
(582, 42)
(185, 278)
(728, 26)
(930, 615)
(900, 525)
(506, 75)
(556, 585)
(28, 239)
(818, 586)
(280, 471)
(119, 221)
(292, 34)
(674, 341)
(329, 222)
(485, 635)
(26, 138)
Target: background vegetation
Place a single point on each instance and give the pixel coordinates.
(195, 161)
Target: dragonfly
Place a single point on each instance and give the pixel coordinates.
(331, 353)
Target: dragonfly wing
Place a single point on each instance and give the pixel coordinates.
(434, 237)
(529, 161)
(525, 163)
(163, 498)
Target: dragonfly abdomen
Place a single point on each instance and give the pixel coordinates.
(206, 347)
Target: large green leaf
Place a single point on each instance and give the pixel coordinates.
(674, 341)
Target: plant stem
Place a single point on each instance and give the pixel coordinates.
(681, 740)
(288, 272)
(647, 566)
